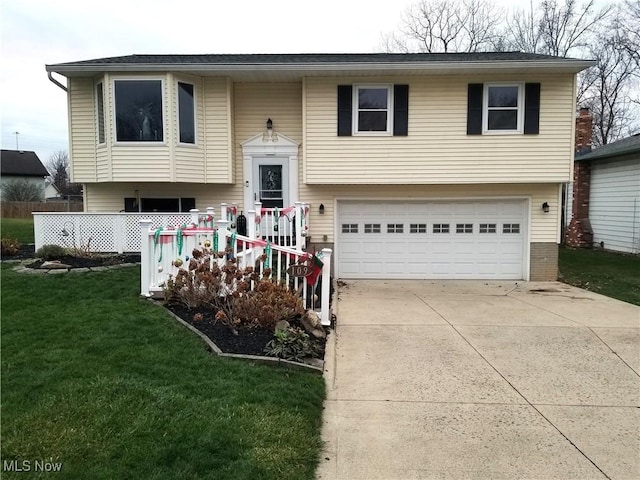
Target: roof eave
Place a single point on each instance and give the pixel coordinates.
(562, 66)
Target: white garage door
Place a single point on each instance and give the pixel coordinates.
(432, 240)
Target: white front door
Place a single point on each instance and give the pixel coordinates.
(270, 171)
(271, 182)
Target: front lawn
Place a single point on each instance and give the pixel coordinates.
(20, 229)
(110, 386)
(615, 275)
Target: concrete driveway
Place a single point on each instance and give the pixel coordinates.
(481, 380)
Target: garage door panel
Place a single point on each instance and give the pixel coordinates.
(372, 248)
(426, 239)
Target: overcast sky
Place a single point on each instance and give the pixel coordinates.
(39, 32)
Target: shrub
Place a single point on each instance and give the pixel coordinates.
(227, 290)
(51, 252)
(10, 246)
(267, 304)
(291, 344)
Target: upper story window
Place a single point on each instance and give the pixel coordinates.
(372, 113)
(503, 108)
(138, 105)
(506, 108)
(100, 112)
(373, 110)
(186, 113)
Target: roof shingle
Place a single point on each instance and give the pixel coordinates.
(21, 163)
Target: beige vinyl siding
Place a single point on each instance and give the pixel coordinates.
(437, 149)
(217, 130)
(254, 103)
(543, 225)
(82, 130)
(109, 197)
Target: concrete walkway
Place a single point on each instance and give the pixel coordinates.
(481, 380)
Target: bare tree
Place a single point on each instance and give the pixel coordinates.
(628, 30)
(431, 26)
(58, 167)
(522, 30)
(608, 95)
(556, 29)
(22, 190)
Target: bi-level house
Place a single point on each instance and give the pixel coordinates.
(414, 165)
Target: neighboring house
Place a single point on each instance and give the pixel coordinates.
(415, 165)
(606, 197)
(51, 192)
(23, 165)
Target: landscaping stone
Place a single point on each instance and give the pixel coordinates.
(36, 271)
(311, 322)
(79, 270)
(99, 269)
(56, 271)
(282, 325)
(54, 265)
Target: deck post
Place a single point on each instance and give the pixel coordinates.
(251, 224)
(145, 258)
(299, 227)
(223, 212)
(260, 227)
(194, 216)
(211, 212)
(325, 312)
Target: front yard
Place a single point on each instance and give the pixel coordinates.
(615, 275)
(110, 386)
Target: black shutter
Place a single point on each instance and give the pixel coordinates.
(474, 109)
(400, 110)
(345, 95)
(531, 108)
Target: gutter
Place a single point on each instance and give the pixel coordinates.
(56, 82)
(563, 65)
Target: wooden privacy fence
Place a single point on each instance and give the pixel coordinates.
(24, 209)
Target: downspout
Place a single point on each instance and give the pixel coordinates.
(53, 80)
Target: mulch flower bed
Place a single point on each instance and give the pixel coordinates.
(96, 260)
(248, 341)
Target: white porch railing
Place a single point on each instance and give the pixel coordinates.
(161, 247)
(120, 231)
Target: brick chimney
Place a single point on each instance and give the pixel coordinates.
(584, 129)
(579, 232)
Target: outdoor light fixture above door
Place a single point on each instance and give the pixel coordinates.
(270, 135)
(545, 207)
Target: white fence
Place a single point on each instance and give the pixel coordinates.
(165, 250)
(120, 232)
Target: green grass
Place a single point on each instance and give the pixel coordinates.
(109, 385)
(612, 274)
(20, 229)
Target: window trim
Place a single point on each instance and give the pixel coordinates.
(195, 116)
(390, 110)
(165, 130)
(100, 99)
(519, 109)
(181, 209)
